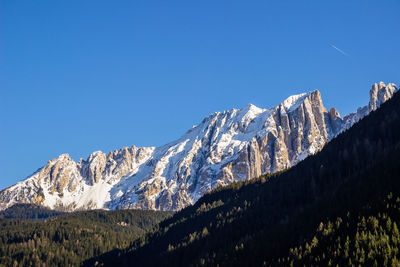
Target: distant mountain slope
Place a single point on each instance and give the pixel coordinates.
(256, 222)
(70, 239)
(225, 147)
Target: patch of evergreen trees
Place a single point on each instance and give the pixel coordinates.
(368, 237)
(72, 238)
(29, 211)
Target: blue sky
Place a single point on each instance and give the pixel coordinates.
(81, 76)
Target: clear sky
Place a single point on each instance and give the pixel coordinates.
(81, 76)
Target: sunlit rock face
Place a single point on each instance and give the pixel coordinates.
(227, 146)
(379, 94)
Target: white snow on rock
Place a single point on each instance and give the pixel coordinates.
(225, 147)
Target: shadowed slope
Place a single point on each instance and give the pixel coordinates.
(256, 222)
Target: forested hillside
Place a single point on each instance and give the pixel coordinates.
(68, 239)
(29, 211)
(367, 237)
(274, 218)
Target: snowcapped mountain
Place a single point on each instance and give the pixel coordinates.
(226, 146)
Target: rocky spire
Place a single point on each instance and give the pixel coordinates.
(380, 93)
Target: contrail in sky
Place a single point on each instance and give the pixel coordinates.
(340, 50)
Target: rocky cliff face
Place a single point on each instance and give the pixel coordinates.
(378, 94)
(226, 146)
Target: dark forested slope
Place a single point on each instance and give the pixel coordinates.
(29, 211)
(68, 239)
(367, 237)
(257, 222)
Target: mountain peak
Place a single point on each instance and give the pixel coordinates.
(248, 113)
(225, 147)
(248, 107)
(64, 156)
(292, 102)
(315, 93)
(379, 94)
(334, 113)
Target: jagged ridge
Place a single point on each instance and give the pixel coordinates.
(226, 146)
